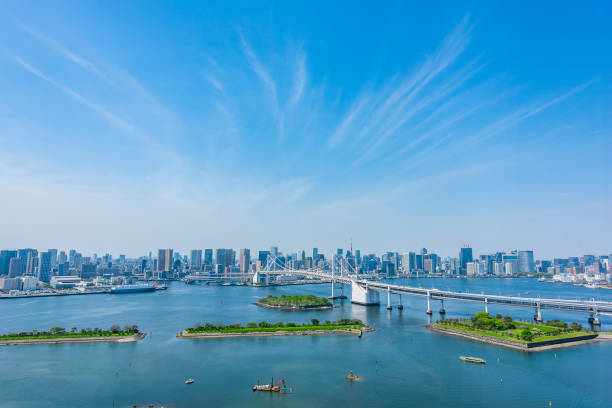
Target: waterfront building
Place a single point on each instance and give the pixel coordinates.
(64, 282)
(7, 284)
(510, 268)
(513, 259)
(498, 268)
(262, 259)
(63, 269)
(164, 260)
(245, 260)
(15, 267)
(526, 263)
(465, 256)
(5, 259)
(44, 269)
(474, 268)
(195, 262)
(28, 283)
(89, 271)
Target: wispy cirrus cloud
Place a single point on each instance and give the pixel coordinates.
(300, 79)
(377, 115)
(523, 113)
(261, 71)
(110, 117)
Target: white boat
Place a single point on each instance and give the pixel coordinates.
(189, 381)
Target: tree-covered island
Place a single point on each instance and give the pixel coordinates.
(296, 302)
(508, 331)
(340, 326)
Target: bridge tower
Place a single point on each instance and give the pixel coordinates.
(538, 315)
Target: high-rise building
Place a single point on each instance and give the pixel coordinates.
(245, 260)
(465, 256)
(61, 258)
(53, 253)
(315, 254)
(44, 269)
(225, 257)
(263, 259)
(164, 260)
(274, 251)
(15, 267)
(71, 255)
(526, 263)
(208, 257)
(5, 259)
(196, 259)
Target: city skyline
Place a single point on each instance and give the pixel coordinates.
(128, 128)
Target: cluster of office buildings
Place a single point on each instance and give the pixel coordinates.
(27, 269)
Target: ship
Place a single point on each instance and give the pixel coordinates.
(157, 286)
(131, 289)
(470, 359)
(189, 381)
(272, 388)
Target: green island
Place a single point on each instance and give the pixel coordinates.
(57, 335)
(506, 331)
(340, 326)
(296, 302)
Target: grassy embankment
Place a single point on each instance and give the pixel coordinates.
(252, 327)
(60, 332)
(509, 329)
(296, 301)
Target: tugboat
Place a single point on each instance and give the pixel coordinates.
(189, 381)
(474, 360)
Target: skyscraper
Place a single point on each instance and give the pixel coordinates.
(245, 260)
(526, 263)
(15, 267)
(465, 256)
(196, 259)
(208, 256)
(44, 270)
(315, 254)
(164, 260)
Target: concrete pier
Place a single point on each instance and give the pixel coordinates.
(362, 295)
(428, 303)
(442, 310)
(400, 306)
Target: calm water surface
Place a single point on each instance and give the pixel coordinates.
(401, 364)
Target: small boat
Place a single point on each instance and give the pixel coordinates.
(475, 360)
(528, 292)
(157, 286)
(189, 381)
(352, 377)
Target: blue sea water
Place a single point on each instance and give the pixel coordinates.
(401, 364)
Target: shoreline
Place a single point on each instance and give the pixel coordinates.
(526, 347)
(217, 335)
(293, 308)
(68, 340)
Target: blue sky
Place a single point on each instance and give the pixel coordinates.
(129, 126)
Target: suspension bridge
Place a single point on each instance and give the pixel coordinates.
(367, 289)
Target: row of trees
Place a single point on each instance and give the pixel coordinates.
(60, 331)
(313, 322)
